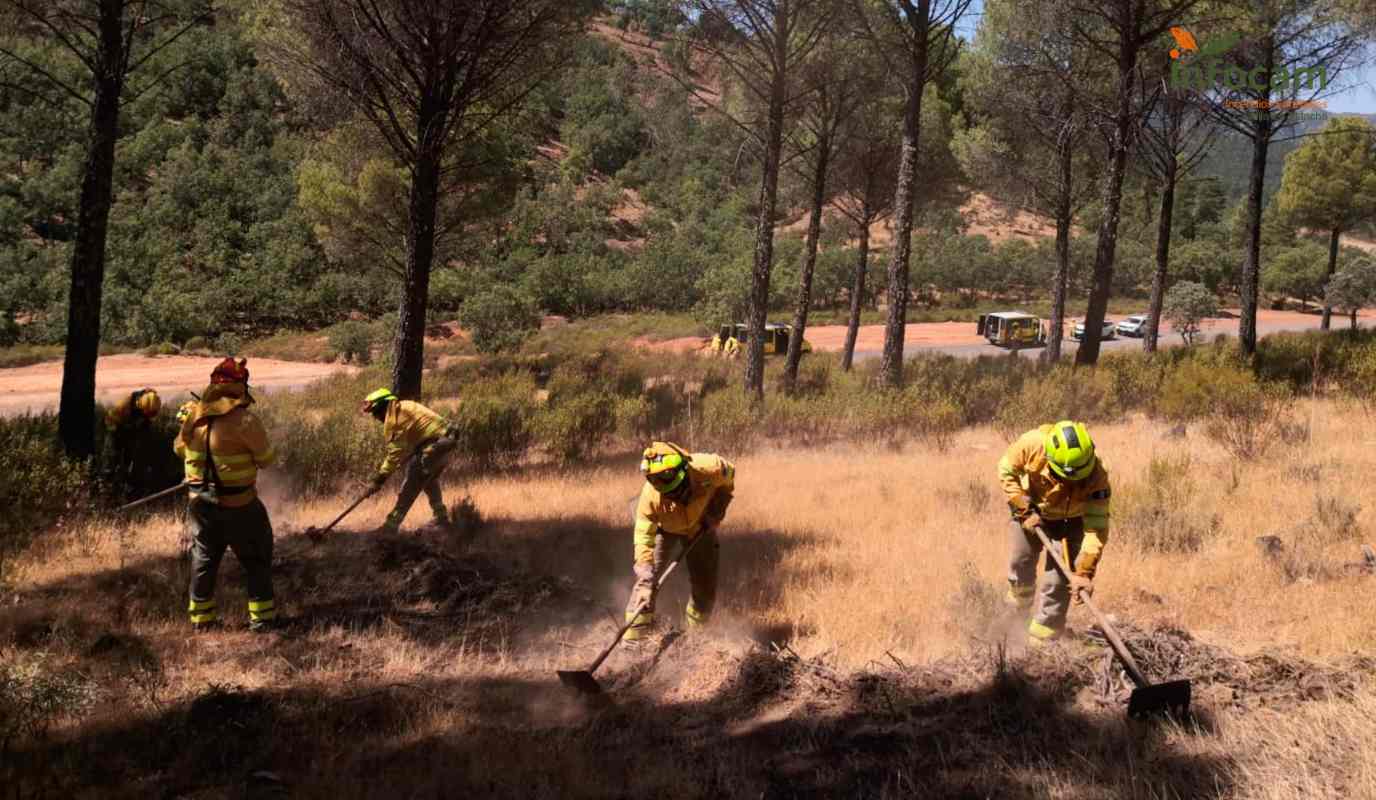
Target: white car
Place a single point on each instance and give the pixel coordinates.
(1135, 325)
(1078, 332)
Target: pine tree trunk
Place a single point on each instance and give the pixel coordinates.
(814, 232)
(891, 365)
(1256, 186)
(764, 235)
(76, 412)
(1163, 259)
(1061, 281)
(857, 291)
(1332, 267)
(420, 257)
(1113, 200)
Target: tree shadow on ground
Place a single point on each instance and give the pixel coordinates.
(510, 584)
(775, 728)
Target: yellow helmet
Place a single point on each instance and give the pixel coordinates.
(148, 403)
(665, 466)
(1069, 450)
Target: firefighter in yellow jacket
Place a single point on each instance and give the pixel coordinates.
(411, 430)
(222, 445)
(129, 425)
(684, 496)
(1053, 478)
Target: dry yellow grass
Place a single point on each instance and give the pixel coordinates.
(422, 665)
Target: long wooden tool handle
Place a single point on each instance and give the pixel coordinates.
(632, 617)
(1119, 647)
(345, 512)
(150, 498)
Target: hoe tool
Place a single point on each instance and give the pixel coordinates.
(316, 534)
(150, 498)
(581, 680)
(1172, 698)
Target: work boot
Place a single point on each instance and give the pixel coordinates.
(441, 516)
(1039, 635)
(391, 525)
(644, 628)
(693, 619)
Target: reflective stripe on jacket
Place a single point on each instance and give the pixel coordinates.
(407, 426)
(238, 440)
(712, 482)
(1024, 470)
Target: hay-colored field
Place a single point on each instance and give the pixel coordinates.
(859, 650)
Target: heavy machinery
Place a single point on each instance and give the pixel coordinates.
(1012, 329)
(775, 338)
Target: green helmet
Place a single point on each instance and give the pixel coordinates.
(664, 465)
(377, 396)
(1069, 450)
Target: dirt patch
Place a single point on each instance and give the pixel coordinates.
(686, 344)
(832, 338)
(37, 387)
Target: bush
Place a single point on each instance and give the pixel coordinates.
(574, 427)
(729, 420)
(37, 483)
(1186, 306)
(161, 349)
(196, 344)
(352, 341)
(1196, 387)
(1158, 511)
(493, 420)
(229, 344)
(499, 318)
(1248, 422)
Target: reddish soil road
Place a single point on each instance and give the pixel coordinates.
(37, 387)
(960, 339)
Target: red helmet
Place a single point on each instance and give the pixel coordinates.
(230, 371)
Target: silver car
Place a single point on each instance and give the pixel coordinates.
(1135, 325)
(1078, 332)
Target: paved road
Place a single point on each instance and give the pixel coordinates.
(1268, 323)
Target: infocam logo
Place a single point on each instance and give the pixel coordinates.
(1206, 68)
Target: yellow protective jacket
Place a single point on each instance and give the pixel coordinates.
(408, 425)
(237, 439)
(124, 412)
(1025, 475)
(712, 484)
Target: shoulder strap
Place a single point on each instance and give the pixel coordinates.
(210, 456)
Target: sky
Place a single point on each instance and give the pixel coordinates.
(1357, 95)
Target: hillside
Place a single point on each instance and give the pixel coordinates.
(846, 660)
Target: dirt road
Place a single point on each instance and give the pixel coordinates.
(37, 387)
(960, 339)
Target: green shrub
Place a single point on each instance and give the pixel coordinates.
(573, 427)
(729, 420)
(229, 344)
(161, 349)
(1195, 387)
(1082, 394)
(499, 318)
(196, 344)
(493, 420)
(37, 483)
(352, 341)
(34, 697)
(23, 355)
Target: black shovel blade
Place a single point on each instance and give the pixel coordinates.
(580, 680)
(1170, 699)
